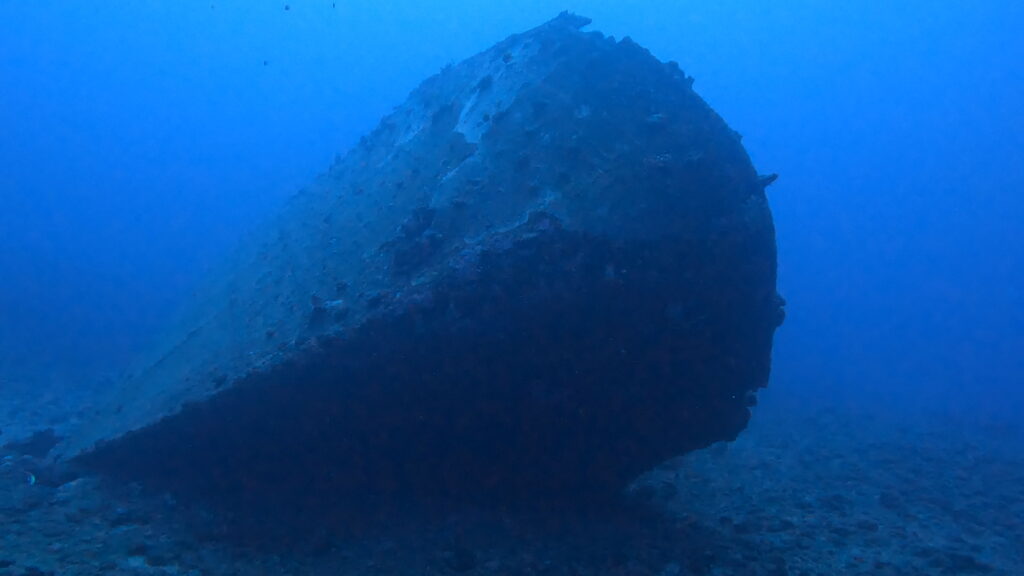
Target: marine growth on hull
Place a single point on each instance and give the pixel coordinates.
(550, 269)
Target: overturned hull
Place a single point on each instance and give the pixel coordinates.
(550, 269)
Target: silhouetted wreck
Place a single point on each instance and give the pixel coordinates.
(550, 269)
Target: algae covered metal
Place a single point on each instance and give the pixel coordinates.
(548, 270)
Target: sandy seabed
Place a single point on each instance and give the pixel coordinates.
(805, 490)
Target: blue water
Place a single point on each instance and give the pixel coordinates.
(140, 140)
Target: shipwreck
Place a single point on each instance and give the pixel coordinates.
(550, 269)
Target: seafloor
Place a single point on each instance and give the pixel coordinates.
(806, 490)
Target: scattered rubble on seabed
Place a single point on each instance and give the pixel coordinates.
(829, 492)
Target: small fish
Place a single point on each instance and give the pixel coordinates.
(31, 478)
